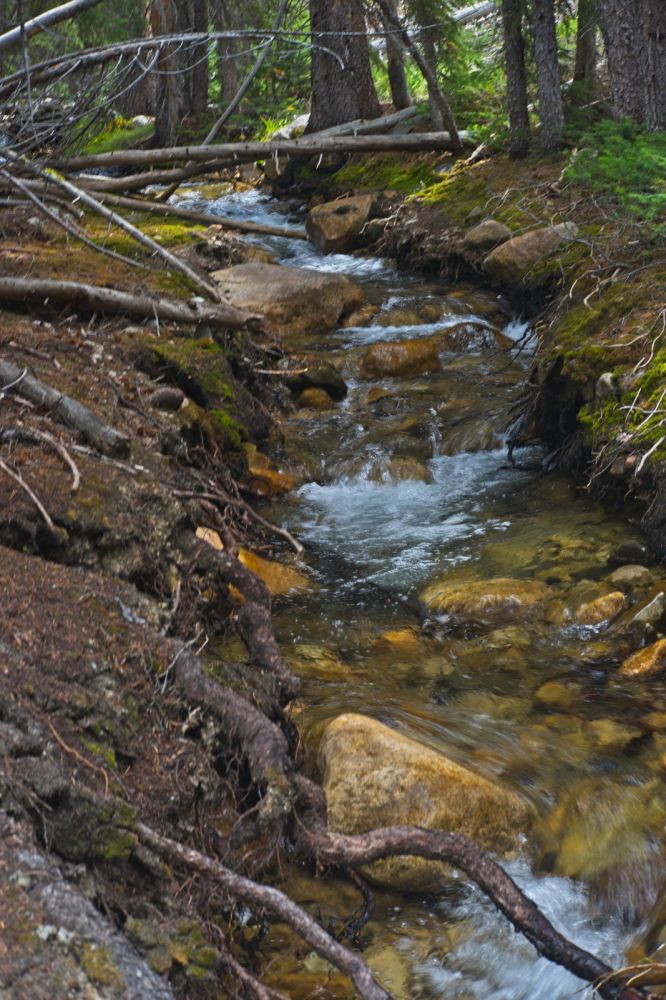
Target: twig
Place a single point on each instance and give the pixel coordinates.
(648, 453)
(31, 435)
(35, 499)
(82, 760)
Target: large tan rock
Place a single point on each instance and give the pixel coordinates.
(486, 235)
(513, 261)
(335, 226)
(500, 596)
(291, 300)
(601, 609)
(646, 663)
(373, 776)
(400, 359)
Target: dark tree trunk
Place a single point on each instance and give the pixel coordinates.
(342, 87)
(622, 33)
(395, 66)
(551, 108)
(516, 77)
(224, 19)
(585, 63)
(654, 42)
(199, 85)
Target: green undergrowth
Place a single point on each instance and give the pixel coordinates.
(619, 160)
(119, 133)
(391, 171)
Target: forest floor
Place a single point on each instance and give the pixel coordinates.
(93, 736)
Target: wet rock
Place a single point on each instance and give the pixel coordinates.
(607, 834)
(400, 359)
(645, 620)
(486, 236)
(360, 317)
(612, 735)
(399, 317)
(473, 436)
(374, 776)
(335, 226)
(512, 262)
(291, 300)
(501, 596)
(400, 469)
(377, 394)
(315, 399)
(319, 376)
(264, 479)
(646, 663)
(405, 641)
(601, 609)
(278, 577)
(472, 337)
(631, 577)
(555, 694)
(632, 551)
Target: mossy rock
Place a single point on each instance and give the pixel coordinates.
(85, 830)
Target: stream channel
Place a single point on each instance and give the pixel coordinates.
(406, 482)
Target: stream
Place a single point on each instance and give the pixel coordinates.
(406, 482)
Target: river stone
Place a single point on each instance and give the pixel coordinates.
(512, 262)
(400, 359)
(602, 609)
(646, 663)
(335, 226)
(486, 236)
(630, 577)
(290, 300)
(315, 399)
(375, 776)
(483, 598)
(319, 376)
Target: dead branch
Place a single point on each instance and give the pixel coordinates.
(219, 496)
(242, 225)
(33, 436)
(43, 21)
(64, 408)
(26, 489)
(247, 152)
(40, 291)
(49, 177)
(274, 902)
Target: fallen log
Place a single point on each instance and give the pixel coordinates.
(43, 21)
(241, 225)
(149, 178)
(69, 411)
(247, 152)
(41, 291)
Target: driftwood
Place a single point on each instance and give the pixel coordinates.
(241, 225)
(63, 408)
(246, 152)
(40, 291)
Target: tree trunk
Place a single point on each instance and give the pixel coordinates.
(395, 66)
(623, 38)
(199, 15)
(224, 20)
(551, 108)
(342, 87)
(162, 16)
(585, 63)
(428, 40)
(516, 77)
(654, 41)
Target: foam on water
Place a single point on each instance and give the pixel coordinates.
(495, 963)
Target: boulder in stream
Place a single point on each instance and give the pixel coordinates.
(646, 663)
(335, 226)
(292, 301)
(486, 236)
(375, 776)
(400, 359)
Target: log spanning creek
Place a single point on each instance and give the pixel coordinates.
(417, 528)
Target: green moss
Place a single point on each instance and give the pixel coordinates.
(392, 171)
(170, 235)
(120, 133)
(107, 753)
(100, 967)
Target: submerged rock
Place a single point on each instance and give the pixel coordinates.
(631, 577)
(601, 609)
(335, 226)
(316, 399)
(400, 359)
(290, 300)
(483, 598)
(319, 376)
(375, 776)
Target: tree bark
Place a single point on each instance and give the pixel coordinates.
(654, 41)
(516, 77)
(585, 62)
(551, 108)
(342, 86)
(622, 33)
(199, 22)
(395, 65)
(162, 18)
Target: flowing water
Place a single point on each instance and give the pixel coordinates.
(406, 482)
